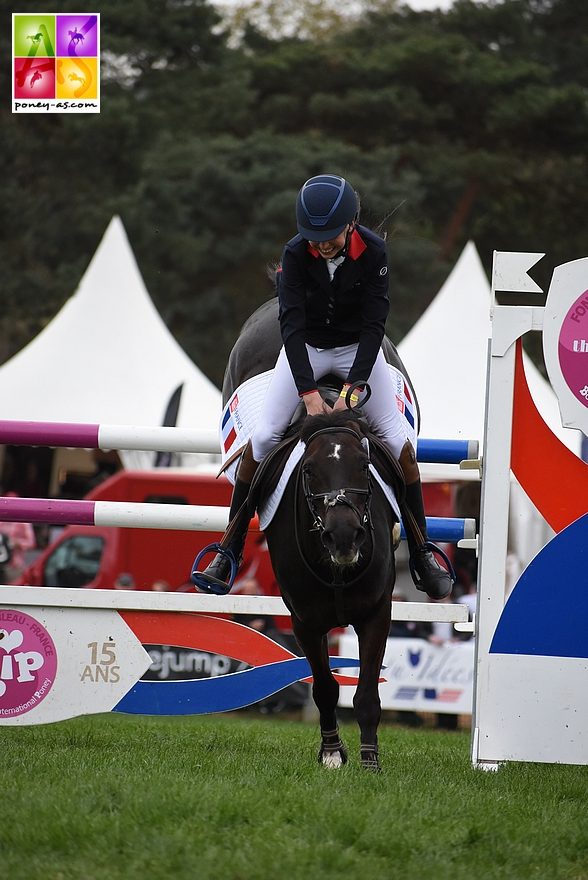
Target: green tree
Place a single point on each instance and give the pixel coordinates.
(457, 125)
(211, 214)
(65, 176)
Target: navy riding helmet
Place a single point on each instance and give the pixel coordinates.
(324, 207)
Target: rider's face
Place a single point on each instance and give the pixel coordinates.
(330, 249)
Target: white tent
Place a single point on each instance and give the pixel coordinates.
(445, 354)
(107, 356)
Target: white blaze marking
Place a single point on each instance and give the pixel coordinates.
(336, 451)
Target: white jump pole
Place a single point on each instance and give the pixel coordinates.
(167, 439)
(139, 600)
(179, 517)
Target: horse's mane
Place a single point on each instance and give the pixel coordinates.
(339, 419)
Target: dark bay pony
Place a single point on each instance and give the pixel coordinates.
(331, 541)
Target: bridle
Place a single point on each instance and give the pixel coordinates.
(338, 496)
(334, 497)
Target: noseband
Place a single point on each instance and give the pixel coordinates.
(336, 496)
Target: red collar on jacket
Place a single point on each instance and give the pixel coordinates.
(355, 248)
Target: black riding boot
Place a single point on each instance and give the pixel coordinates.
(428, 576)
(220, 567)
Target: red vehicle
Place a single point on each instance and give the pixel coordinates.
(94, 556)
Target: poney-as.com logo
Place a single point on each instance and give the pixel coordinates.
(55, 63)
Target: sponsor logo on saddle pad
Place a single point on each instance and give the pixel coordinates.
(228, 426)
(55, 62)
(404, 401)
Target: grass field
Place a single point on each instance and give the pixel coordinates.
(241, 798)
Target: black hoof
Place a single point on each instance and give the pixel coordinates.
(369, 759)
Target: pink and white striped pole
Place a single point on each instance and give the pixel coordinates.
(179, 517)
(86, 436)
(162, 439)
(115, 513)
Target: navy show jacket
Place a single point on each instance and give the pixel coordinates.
(353, 307)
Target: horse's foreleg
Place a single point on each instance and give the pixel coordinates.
(372, 635)
(325, 693)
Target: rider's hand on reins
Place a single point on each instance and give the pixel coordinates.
(340, 404)
(349, 397)
(315, 405)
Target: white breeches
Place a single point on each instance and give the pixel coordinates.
(282, 398)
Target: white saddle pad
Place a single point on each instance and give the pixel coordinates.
(242, 412)
(267, 511)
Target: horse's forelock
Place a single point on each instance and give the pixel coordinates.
(339, 419)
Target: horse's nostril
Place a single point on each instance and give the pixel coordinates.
(328, 539)
(346, 541)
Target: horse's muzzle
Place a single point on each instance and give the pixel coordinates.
(343, 543)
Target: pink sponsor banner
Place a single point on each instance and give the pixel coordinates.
(28, 663)
(573, 348)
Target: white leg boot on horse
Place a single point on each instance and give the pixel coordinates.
(427, 574)
(218, 577)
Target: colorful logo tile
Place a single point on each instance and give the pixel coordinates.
(34, 78)
(77, 78)
(77, 36)
(34, 35)
(56, 63)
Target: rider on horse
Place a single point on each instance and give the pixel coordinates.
(332, 288)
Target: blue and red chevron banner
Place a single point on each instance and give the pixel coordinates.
(273, 667)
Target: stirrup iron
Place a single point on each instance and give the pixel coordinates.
(206, 582)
